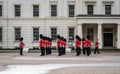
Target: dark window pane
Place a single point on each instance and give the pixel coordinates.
(53, 10)
(90, 9)
(35, 10)
(71, 11)
(53, 33)
(108, 9)
(35, 34)
(0, 10)
(71, 34)
(17, 34)
(90, 33)
(17, 10)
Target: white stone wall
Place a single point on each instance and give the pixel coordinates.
(44, 21)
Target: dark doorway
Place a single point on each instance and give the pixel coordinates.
(108, 39)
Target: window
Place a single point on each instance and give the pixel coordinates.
(71, 34)
(0, 10)
(17, 10)
(108, 9)
(0, 34)
(35, 34)
(90, 33)
(53, 10)
(53, 33)
(71, 10)
(17, 34)
(90, 9)
(35, 10)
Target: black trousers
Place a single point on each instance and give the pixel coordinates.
(78, 51)
(59, 51)
(21, 51)
(42, 51)
(96, 50)
(50, 50)
(88, 51)
(84, 50)
(47, 51)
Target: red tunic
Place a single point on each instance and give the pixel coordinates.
(88, 43)
(77, 43)
(83, 44)
(58, 43)
(41, 43)
(21, 45)
(96, 44)
(64, 44)
(45, 44)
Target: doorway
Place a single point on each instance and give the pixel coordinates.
(108, 39)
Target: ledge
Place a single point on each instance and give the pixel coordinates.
(97, 15)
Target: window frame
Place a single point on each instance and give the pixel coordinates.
(90, 33)
(108, 12)
(17, 39)
(34, 34)
(55, 10)
(72, 11)
(73, 34)
(90, 11)
(54, 37)
(1, 10)
(17, 11)
(35, 11)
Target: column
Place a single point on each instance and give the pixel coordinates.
(80, 30)
(118, 36)
(100, 35)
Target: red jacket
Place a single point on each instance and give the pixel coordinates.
(21, 45)
(96, 44)
(41, 43)
(83, 44)
(64, 44)
(58, 43)
(77, 43)
(88, 43)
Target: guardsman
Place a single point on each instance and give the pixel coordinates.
(64, 46)
(88, 46)
(21, 45)
(58, 45)
(77, 45)
(83, 45)
(41, 45)
(50, 46)
(46, 45)
(96, 47)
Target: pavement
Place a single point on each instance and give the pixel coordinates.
(33, 63)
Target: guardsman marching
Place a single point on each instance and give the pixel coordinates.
(64, 46)
(84, 46)
(21, 45)
(96, 47)
(88, 46)
(50, 46)
(41, 45)
(77, 45)
(58, 45)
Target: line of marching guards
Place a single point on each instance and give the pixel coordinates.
(45, 45)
